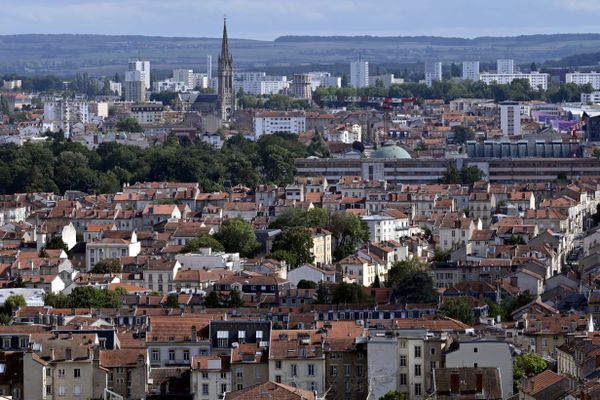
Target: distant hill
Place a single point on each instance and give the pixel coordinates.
(106, 54)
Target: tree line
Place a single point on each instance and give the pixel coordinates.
(60, 165)
(518, 90)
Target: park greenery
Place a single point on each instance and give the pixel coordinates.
(348, 231)
(411, 282)
(11, 304)
(85, 297)
(60, 165)
(526, 365)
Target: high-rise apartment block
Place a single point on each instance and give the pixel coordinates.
(143, 67)
(470, 70)
(510, 118)
(359, 74)
(433, 72)
(134, 86)
(184, 75)
(505, 66)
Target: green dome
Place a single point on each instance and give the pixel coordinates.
(391, 151)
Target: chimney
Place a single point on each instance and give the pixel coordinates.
(454, 383)
(90, 353)
(68, 354)
(479, 382)
(52, 355)
(194, 333)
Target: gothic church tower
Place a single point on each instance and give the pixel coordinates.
(226, 90)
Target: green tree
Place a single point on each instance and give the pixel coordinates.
(451, 176)
(596, 153)
(298, 241)
(172, 301)
(526, 365)
(376, 282)
(411, 282)
(441, 255)
(237, 236)
(462, 134)
(57, 300)
(296, 217)
(306, 284)
(458, 308)
(349, 232)
(90, 297)
(235, 299)
(402, 268)
(288, 257)
(393, 395)
(108, 266)
(202, 241)
(350, 293)
(213, 300)
(470, 175)
(129, 124)
(13, 303)
(514, 239)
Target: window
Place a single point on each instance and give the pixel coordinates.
(347, 369)
(48, 390)
(293, 370)
(171, 355)
(61, 390)
(359, 370)
(278, 378)
(333, 370)
(239, 372)
(417, 369)
(186, 355)
(278, 364)
(223, 375)
(205, 389)
(310, 370)
(76, 373)
(76, 390)
(417, 389)
(417, 351)
(240, 386)
(155, 355)
(433, 365)
(474, 349)
(403, 361)
(223, 388)
(23, 343)
(6, 343)
(403, 379)
(223, 338)
(61, 372)
(205, 375)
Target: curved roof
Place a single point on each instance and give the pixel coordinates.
(390, 151)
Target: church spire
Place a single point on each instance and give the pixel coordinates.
(225, 56)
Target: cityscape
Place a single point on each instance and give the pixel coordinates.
(374, 223)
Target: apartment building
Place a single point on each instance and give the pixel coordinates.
(269, 122)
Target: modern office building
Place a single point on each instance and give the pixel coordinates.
(470, 70)
(433, 72)
(505, 66)
(510, 118)
(143, 67)
(359, 74)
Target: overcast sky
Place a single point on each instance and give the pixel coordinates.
(267, 19)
